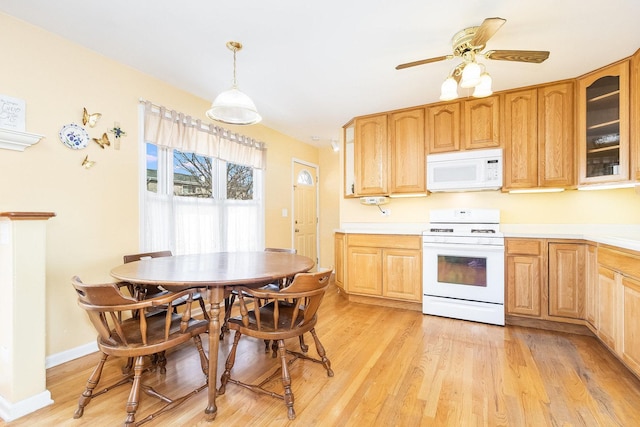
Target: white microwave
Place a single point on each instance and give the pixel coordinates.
(472, 170)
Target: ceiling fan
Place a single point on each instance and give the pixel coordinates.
(468, 43)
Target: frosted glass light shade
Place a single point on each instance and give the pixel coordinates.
(234, 107)
(470, 75)
(484, 87)
(449, 89)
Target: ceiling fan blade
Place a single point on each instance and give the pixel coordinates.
(486, 30)
(535, 56)
(423, 61)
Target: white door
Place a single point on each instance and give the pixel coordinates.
(305, 210)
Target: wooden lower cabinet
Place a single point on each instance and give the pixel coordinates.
(631, 323)
(607, 306)
(364, 270)
(591, 287)
(567, 280)
(524, 280)
(524, 276)
(339, 252)
(401, 271)
(387, 266)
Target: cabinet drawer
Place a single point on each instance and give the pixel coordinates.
(523, 247)
(385, 241)
(627, 263)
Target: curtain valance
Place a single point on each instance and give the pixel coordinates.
(169, 128)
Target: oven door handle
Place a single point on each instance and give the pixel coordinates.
(464, 247)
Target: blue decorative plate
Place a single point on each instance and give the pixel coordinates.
(74, 136)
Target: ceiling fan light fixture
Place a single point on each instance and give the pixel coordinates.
(233, 106)
(449, 89)
(470, 75)
(484, 86)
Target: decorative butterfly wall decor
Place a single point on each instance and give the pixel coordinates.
(86, 163)
(102, 141)
(91, 119)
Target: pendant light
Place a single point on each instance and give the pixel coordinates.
(233, 106)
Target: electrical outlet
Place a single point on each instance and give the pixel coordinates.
(386, 212)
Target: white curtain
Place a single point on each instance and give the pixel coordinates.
(188, 225)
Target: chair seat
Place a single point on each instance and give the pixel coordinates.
(156, 340)
(267, 326)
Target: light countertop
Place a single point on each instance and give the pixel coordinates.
(621, 235)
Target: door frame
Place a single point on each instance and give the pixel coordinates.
(293, 205)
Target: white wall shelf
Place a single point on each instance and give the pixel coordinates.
(17, 141)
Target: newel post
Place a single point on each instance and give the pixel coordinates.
(23, 385)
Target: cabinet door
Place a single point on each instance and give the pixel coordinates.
(603, 125)
(339, 243)
(607, 325)
(566, 280)
(521, 139)
(591, 295)
(631, 324)
(635, 115)
(348, 159)
(402, 274)
(524, 285)
(482, 123)
(443, 128)
(364, 271)
(370, 155)
(406, 149)
(556, 147)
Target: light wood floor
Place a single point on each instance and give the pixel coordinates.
(392, 368)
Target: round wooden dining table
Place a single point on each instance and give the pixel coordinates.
(215, 272)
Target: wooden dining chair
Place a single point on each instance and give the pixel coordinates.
(148, 333)
(231, 297)
(286, 313)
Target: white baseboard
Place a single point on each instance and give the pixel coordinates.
(11, 411)
(74, 353)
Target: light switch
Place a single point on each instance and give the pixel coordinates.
(285, 213)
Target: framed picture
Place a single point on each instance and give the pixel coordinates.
(12, 113)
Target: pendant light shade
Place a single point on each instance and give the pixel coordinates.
(233, 106)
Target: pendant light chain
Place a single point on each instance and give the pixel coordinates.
(235, 82)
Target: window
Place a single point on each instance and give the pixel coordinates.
(198, 203)
(305, 178)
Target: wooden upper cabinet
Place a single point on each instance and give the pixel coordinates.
(481, 123)
(538, 137)
(521, 139)
(635, 115)
(556, 146)
(406, 150)
(603, 125)
(371, 155)
(442, 128)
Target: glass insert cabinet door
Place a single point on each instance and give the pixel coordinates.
(604, 125)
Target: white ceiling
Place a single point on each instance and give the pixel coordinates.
(312, 66)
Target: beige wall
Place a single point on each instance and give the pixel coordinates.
(97, 209)
(620, 206)
(330, 195)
